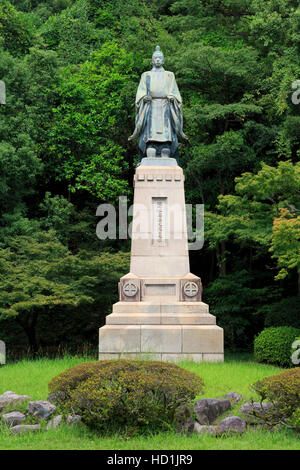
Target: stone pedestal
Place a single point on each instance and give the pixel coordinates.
(160, 314)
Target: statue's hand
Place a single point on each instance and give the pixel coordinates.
(147, 98)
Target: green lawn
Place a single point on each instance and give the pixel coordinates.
(235, 374)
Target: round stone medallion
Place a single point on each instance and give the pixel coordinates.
(190, 289)
(130, 289)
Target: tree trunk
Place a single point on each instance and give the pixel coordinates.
(31, 335)
(221, 258)
(221, 183)
(223, 262)
(250, 258)
(212, 266)
(30, 330)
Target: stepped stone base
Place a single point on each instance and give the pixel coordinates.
(160, 314)
(213, 357)
(167, 331)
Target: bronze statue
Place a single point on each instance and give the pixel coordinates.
(158, 121)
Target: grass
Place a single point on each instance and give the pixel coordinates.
(29, 377)
(235, 374)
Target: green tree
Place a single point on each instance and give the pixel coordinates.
(39, 275)
(34, 279)
(16, 34)
(286, 243)
(235, 300)
(89, 136)
(71, 70)
(252, 215)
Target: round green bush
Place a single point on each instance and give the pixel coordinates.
(274, 345)
(116, 395)
(283, 390)
(295, 419)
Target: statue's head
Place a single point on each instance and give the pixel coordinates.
(157, 57)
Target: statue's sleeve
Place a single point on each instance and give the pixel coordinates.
(142, 109)
(142, 89)
(176, 108)
(173, 90)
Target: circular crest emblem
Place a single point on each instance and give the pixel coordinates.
(190, 289)
(130, 289)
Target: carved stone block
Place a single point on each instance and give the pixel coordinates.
(191, 290)
(130, 290)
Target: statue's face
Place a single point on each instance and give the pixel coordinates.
(157, 60)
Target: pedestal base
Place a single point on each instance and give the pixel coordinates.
(160, 314)
(167, 331)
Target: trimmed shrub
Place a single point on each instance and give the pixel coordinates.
(283, 390)
(295, 419)
(274, 345)
(124, 394)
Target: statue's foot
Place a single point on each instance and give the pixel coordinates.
(151, 152)
(165, 153)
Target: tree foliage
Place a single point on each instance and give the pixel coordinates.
(39, 275)
(71, 69)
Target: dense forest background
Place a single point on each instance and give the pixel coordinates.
(71, 70)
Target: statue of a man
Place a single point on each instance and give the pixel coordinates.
(158, 120)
